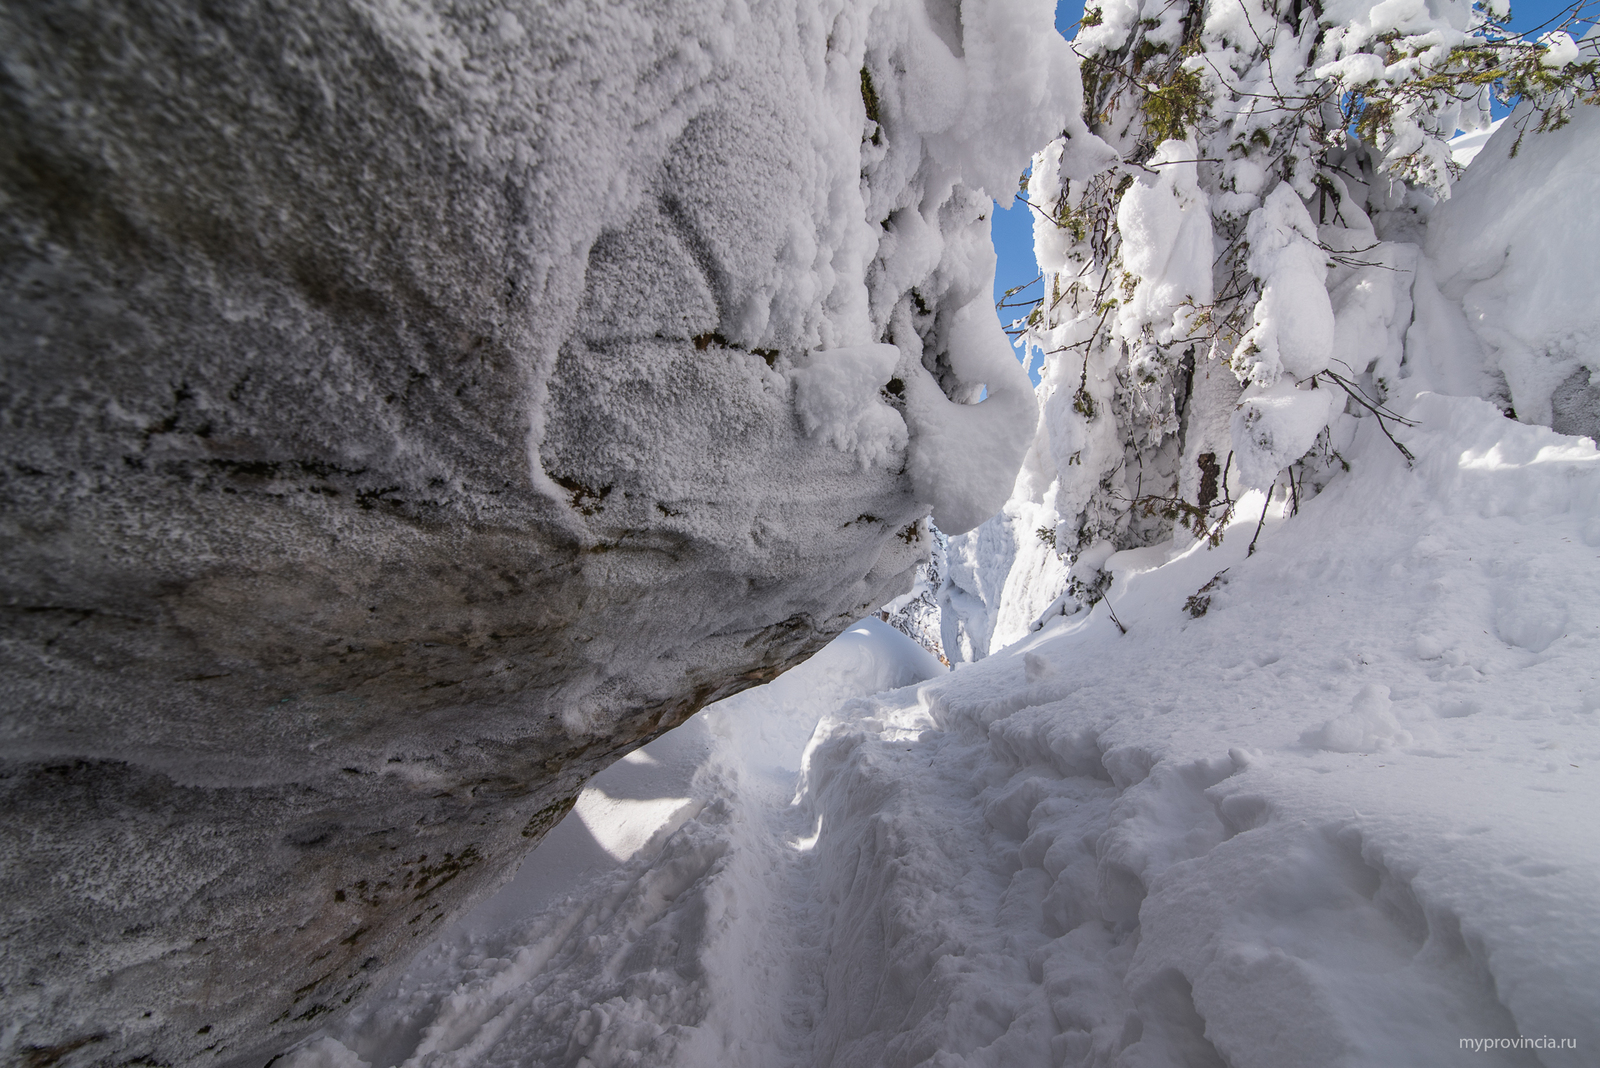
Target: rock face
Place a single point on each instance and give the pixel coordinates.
(396, 428)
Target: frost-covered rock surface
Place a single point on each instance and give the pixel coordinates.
(408, 406)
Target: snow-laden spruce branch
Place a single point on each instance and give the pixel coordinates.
(1241, 219)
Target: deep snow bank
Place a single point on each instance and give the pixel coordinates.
(409, 405)
(1511, 258)
(1341, 817)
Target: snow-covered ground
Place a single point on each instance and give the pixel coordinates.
(1344, 816)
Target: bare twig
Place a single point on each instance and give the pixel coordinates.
(1375, 408)
(1261, 522)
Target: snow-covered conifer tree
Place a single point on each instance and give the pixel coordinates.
(1227, 253)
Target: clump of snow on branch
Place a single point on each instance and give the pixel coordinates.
(1274, 426)
(1292, 328)
(1165, 222)
(950, 101)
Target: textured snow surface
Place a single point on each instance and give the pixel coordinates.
(1342, 816)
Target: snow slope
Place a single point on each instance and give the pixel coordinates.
(1343, 817)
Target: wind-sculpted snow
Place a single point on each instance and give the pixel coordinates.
(409, 407)
(1325, 804)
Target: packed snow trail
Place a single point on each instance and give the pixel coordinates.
(1343, 817)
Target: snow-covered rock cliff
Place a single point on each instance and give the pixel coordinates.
(410, 406)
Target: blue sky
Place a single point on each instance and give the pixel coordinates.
(1013, 229)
